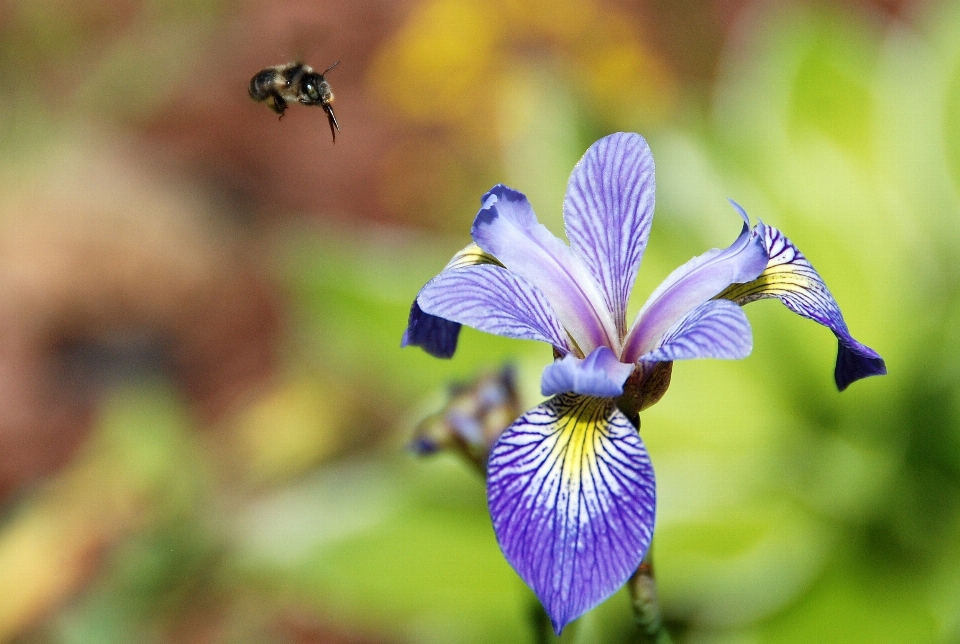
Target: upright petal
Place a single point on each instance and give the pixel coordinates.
(599, 374)
(691, 285)
(493, 299)
(572, 497)
(437, 336)
(608, 211)
(790, 278)
(507, 228)
(715, 329)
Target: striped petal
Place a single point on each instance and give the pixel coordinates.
(715, 329)
(494, 300)
(689, 286)
(437, 336)
(790, 278)
(572, 496)
(608, 211)
(599, 374)
(507, 228)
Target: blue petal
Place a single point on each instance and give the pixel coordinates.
(572, 496)
(789, 277)
(715, 329)
(689, 286)
(436, 336)
(608, 211)
(507, 228)
(599, 374)
(494, 300)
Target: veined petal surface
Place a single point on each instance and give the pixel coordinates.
(507, 228)
(791, 278)
(599, 374)
(572, 497)
(695, 282)
(433, 334)
(607, 212)
(715, 329)
(494, 300)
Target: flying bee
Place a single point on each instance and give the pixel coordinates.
(277, 85)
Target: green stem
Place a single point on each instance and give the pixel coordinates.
(539, 622)
(646, 604)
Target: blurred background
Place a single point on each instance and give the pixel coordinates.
(204, 408)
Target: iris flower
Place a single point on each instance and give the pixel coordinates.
(570, 486)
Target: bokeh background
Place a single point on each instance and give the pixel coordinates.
(204, 408)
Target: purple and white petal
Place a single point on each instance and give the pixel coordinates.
(494, 300)
(691, 285)
(791, 278)
(608, 210)
(599, 374)
(437, 336)
(572, 496)
(715, 329)
(507, 228)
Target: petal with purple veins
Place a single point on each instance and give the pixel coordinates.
(572, 497)
(608, 210)
(507, 228)
(494, 300)
(599, 374)
(689, 286)
(791, 278)
(715, 329)
(437, 336)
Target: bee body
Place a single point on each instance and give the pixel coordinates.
(294, 83)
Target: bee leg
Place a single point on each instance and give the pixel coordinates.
(277, 104)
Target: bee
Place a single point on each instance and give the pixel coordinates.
(277, 85)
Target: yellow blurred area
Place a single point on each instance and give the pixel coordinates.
(446, 65)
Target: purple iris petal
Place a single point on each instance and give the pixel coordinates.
(691, 285)
(608, 210)
(572, 496)
(507, 228)
(436, 336)
(599, 374)
(790, 278)
(715, 329)
(493, 299)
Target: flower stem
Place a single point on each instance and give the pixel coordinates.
(646, 604)
(539, 622)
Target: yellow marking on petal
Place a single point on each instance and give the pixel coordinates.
(472, 255)
(779, 278)
(580, 430)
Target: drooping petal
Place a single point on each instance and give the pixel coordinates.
(608, 210)
(715, 329)
(572, 497)
(599, 374)
(437, 336)
(507, 228)
(791, 278)
(493, 299)
(691, 285)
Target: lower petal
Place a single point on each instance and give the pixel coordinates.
(572, 496)
(791, 278)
